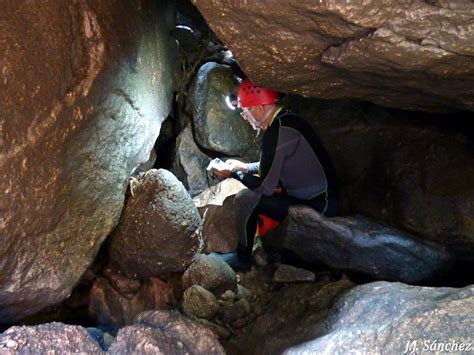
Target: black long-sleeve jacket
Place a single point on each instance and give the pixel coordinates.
(293, 156)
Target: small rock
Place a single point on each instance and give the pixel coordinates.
(199, 302)
(260, 256)
(242, 322)
(290, 274)
(125, 286)
(231, 312)
(212, 273)
(243, 292)
(229, 295)
(220, 331)
(11, 344)
(104, 339)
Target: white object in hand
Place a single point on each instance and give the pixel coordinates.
(214, 163)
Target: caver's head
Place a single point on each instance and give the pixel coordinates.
(257, 103)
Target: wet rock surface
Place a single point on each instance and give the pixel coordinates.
(166, 332)
(73, 127)
(412, 55)
(383, 317)
(160, 231)
(211, 273)
(217, 127)
(359, 244)
(48, 338)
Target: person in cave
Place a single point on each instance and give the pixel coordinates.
(294, 169)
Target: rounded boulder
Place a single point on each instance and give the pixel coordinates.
(160, 231)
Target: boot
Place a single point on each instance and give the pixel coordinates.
(236, 261)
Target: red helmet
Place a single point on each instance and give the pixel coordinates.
(251, 95)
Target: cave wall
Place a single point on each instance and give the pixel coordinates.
(410, 169)
(85, 86)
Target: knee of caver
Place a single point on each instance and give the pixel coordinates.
(246, 198)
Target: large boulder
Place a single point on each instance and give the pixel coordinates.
(361, 245)
(217, 194)
(220, 233)
(410, 169)
(190, 163)
(217, 127)
(160, 230)
(126, 286)
(216, 206)
(111, 309)
(50, 338)
(165, 332)
(155, 294)
(393, 318)
(107, 307)
(413, 55)
(294, 314)
(379, 318)
(85, 87)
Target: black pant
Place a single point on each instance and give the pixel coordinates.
(276, 207)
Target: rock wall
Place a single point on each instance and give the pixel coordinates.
(85, 87)
(387, 318)
(375, 318)
(218, 128)
(404, 54)
(410, 169)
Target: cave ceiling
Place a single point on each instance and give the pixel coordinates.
(416, 55)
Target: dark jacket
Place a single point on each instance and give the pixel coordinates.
(293, 157)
